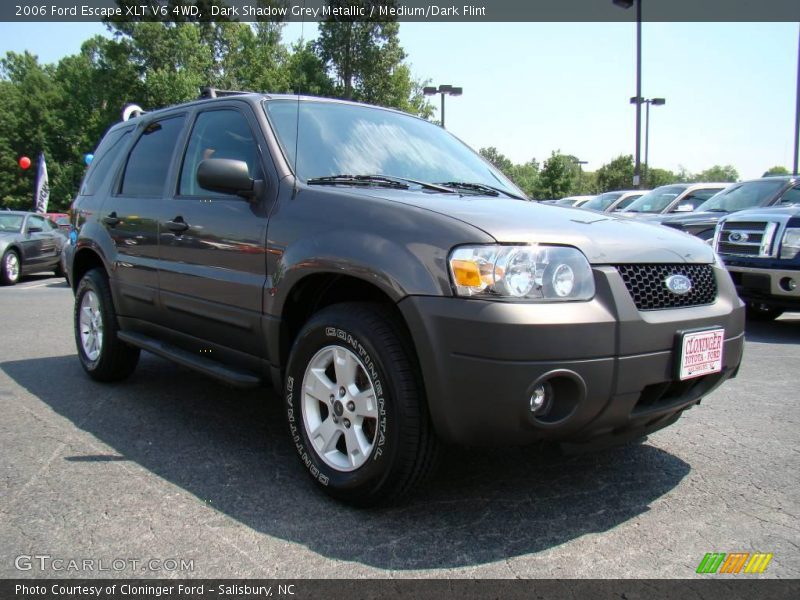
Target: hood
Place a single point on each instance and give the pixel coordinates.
(604, 239)
(694, 218)
(765, 214)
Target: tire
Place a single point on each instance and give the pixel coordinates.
(365, 451)
(103, 356)
(758, 311)
(59, 271)
(10, 268)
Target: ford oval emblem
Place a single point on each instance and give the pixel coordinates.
(678, 284)
(738, 236)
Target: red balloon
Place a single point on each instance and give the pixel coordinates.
(24, 162)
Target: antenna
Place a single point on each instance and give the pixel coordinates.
(297, 123)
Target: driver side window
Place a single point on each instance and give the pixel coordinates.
(35, 223)
(218, 134)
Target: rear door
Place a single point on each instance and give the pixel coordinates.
(212, 245)
(34, 243)
(130, 215)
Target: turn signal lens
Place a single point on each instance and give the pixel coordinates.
(466, 273)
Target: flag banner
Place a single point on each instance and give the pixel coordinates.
(42, 187)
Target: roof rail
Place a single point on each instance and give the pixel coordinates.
(212, 92)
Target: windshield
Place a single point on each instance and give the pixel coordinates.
(657, 200)
(10, 222)
(741, 196)
(603, 201)
(338, 139)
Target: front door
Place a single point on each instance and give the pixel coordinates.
(212, 245)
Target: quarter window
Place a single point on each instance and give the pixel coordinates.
(148, 163)
(218, 134)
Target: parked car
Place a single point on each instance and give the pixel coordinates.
(766, 191)
(396, 288)
(613, 201)
(573, 201)
(761, 249)
(60, 219)
(656, 205)
(29, 243)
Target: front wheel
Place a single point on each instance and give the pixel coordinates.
(10, 268)
(355, 406)
(758, 311)
(102, 354)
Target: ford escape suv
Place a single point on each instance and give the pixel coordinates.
(395, 287)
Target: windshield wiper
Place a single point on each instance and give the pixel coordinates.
(716, 210)
(482, 188)
(401, 183)
(359, 180)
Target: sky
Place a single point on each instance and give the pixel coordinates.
(534, 88)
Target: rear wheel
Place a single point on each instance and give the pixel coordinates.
(758, 311)
(10, 268)
(102, 354)
(355, 406)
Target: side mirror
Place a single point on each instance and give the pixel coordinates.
(228, 177)
(34, 229)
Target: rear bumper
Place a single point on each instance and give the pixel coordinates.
(613, 367)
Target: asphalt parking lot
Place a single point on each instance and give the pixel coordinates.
(173, 466)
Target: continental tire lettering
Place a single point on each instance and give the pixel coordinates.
(298, 442)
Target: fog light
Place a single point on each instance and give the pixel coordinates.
(540, 399)
(788, 284)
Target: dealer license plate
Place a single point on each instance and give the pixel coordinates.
(701, 353)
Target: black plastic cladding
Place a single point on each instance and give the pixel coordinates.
(647, 285)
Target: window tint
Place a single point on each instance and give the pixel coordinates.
(148, 163)
(218, 134)
(36, 222)
(696, 198)
(791, 196)
(105, 157)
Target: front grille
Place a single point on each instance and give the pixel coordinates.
(647, 285)
(746, 238)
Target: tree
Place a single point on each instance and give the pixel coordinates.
(772, 171)
(366, 60)
(659, 177)
(501, 161)
(615, 175)
(557, 178)
(717, 173)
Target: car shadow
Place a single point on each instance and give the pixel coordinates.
(230, 450)
(786, 330)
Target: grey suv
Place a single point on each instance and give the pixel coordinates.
(396, 288)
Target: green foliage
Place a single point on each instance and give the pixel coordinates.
(558, 177)
(525, 175)
(658, 177)
(716, 173)
(616, 175)
(772, 171)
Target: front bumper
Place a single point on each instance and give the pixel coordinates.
(615, 365)
(764, 285)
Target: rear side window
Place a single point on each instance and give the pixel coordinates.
(105, 157)
(148, 163)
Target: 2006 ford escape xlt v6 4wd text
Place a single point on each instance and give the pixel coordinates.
(396, 287)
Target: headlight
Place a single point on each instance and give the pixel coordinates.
(790, 245)
(548, 273)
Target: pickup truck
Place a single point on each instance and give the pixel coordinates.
(761, 249)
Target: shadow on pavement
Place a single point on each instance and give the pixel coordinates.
(229, 449)
(786, 330)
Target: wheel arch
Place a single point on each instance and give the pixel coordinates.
(85, 259)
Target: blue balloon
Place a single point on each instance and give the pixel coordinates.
(88, 159)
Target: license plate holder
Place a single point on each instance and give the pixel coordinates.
(700, 352)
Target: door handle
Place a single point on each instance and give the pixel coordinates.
(111, 220)
(177, 225)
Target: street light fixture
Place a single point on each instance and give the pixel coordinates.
(580, 163)
(654, 102)
(448, 90)
(626, 4)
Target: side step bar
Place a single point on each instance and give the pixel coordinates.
(230, 375)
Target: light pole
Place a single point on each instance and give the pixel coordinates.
(580, 163)
(637, 167)
(797, 113)
(654, 102)
(448, 90)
